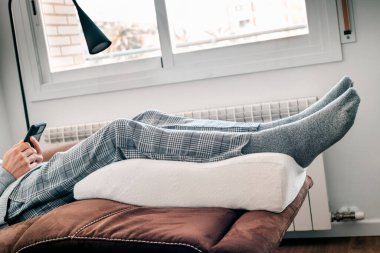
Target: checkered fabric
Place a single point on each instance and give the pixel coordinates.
(169, 121)
(151, 135)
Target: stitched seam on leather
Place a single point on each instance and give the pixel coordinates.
(40, 242)
(140, 241)
(109, 239)
(101, 218)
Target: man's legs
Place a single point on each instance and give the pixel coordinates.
(169, 121)
(52, 185)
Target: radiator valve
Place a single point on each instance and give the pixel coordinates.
(345, 213)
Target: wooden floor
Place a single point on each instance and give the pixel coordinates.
(331, 245)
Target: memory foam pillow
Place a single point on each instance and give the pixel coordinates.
(262, 181)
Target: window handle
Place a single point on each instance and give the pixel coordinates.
(346, 17)
(346, 21)
(34, 10)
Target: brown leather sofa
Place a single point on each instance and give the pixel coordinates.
(106, 226)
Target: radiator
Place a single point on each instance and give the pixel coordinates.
(314, 213)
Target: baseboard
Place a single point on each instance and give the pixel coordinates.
(367, 227)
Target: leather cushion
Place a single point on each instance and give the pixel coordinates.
(106, 226)
(89, 224)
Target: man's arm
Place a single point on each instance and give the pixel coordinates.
(50, 152)
(6, 178)
(18, 160)
(22, 157)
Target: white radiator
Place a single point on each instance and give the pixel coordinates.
(314, 213)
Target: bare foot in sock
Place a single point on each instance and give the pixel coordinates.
(168, 121)
(305, 139)
(344, 84)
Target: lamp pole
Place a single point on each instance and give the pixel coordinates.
(18, 65)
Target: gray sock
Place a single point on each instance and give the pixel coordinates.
(164, 120)
(306, 138)
(344, 84)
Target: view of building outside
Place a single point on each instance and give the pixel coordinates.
(194, 25)
(62, 34)
(200, 24)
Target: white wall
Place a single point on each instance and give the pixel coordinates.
(352, 165)
(5, 133)
(9, 77)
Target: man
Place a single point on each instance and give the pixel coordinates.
(29, 188)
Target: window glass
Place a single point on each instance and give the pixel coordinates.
(200, 39)
(203, 24)
(130, 25)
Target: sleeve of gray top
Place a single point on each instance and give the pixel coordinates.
(6, 179)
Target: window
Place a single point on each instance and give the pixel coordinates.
(131, 26)
(159, 42)
(223, 23)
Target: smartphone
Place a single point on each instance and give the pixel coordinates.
(35, 131)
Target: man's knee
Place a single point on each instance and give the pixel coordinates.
(146, 115)
(120, 123)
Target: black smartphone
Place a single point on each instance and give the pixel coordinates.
(35, 131)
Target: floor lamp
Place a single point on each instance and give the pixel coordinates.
(95, 39)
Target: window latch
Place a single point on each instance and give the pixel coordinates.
(346, 21)
(34, 10)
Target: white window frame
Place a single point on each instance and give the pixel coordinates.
(321, 45)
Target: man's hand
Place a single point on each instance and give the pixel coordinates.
(22, 157)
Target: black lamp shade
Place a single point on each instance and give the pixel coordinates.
(95, 38)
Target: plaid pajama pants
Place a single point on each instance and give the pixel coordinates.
(168, 121)
(150, 135)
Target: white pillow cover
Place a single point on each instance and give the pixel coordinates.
(261, 181)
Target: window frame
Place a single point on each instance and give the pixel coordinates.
(321, 45)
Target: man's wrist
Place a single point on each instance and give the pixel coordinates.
(6, 178)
